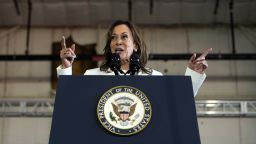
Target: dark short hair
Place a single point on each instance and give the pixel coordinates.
(140, 45)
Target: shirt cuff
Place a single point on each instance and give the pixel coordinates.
(65, 71)
(197, 79)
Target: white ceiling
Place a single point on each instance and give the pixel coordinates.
(101, 12)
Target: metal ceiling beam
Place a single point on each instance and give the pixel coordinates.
(232, 28)
(165, 57)
(17, 8)
(28, 26)
(151, 7)
(130, 10)
(168, 12)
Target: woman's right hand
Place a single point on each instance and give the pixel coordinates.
(67, 55)
(199, 64)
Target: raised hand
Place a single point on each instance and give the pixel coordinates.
(67, 55)
(199, 64)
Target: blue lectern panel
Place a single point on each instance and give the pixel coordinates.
(173, 118)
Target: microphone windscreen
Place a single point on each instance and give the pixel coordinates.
(135, 61)
(115, 61)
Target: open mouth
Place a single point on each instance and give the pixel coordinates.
(118, 50)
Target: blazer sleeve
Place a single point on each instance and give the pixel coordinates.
(197, 79)
(66, 71)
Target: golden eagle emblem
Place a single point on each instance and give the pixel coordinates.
(124, 108)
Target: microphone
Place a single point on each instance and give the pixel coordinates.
(134, 64)
(115, 63)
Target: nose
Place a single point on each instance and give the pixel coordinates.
(118, 41)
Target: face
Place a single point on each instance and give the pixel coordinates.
(122, 42)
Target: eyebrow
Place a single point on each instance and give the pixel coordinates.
(121, 33)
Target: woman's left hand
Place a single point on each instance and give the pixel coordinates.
(199, 64)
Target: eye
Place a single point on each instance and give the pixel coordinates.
(124, 37)
(112, 37)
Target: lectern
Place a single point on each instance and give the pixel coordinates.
(171, 119)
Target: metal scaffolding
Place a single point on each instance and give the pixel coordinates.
(44, 108)
(26, 107)
(226, 108)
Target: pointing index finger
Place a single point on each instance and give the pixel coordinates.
(63, 43)
(205, 53)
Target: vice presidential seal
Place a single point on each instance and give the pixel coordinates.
(124, 110)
